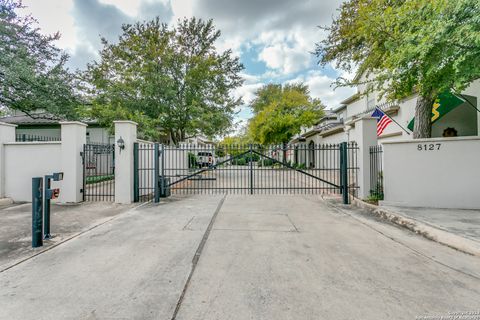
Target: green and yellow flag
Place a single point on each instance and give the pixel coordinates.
(445, 103)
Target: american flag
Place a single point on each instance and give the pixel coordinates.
(382, 120)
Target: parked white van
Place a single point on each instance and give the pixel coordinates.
(206, 158)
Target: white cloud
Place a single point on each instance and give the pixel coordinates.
(247, 92)
(182, 9)
(321, 87)
(129, 7)
(284, 58)
(63, 21)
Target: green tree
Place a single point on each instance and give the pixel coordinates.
(265, 96)
(278, 118)
(407, 46)
(173, 76)
(32, 70)
(234, 145)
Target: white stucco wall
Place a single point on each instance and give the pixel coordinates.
(444, 177)
(99, 135)
(25, 160)
(474, 90)
(356, 107)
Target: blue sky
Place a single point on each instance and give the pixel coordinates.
(273, 38)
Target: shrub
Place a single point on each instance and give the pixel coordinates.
(251, 157)
(241, 162)
(265, 163)
(192, 160)
(301, 166)
(97, 179)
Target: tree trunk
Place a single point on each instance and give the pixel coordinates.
(173, 138)
(423, 117)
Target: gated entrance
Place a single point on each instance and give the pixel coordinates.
(244, 169)
(98, 172)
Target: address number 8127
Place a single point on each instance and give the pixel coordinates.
(429, 146)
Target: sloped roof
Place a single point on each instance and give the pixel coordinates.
(38, 119)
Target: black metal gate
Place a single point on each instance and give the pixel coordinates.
(245, 169)
(376, 172)
(98, 172)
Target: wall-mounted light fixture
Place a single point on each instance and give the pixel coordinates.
(121, 144)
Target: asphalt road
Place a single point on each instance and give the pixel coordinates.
(263, 257)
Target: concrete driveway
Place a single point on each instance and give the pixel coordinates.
(294, 257)
(242, 257)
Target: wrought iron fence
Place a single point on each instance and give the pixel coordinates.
(376, 172)
(98, 172)
(242, 169)
(32, 138)
(146, 171)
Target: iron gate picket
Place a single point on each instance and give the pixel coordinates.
(98, 172)
(244, 169)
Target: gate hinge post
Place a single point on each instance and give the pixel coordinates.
(251, 168)
(344, 171)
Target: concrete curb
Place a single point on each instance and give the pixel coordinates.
(441, 236)
(5, 201)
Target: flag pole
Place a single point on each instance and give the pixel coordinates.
(398, 124)
(466, 100)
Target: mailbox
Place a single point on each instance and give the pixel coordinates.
(49, 194)
(57, 176)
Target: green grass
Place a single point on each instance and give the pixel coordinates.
(97, 179)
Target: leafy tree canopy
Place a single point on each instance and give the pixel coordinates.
(32, 70)
(423, 46)
(234, 144)
(173, 76)
(278, 117)
(265, 96)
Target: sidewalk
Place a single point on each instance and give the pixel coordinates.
(456, 228)
(465, 223)
(66, 222)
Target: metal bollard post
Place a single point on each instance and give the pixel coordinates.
(37, 195)
(46, 208)
(156, 172)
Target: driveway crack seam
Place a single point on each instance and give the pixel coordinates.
(196, 257)
(293, 224)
